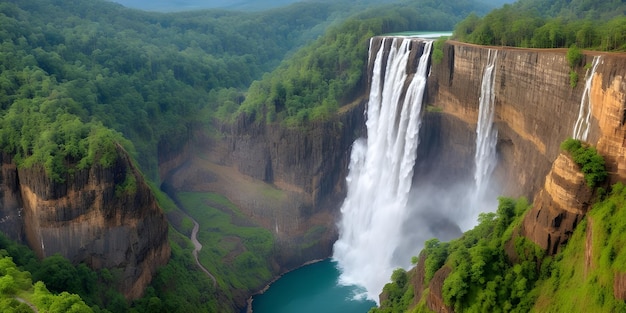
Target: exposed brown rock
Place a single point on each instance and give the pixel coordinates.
(619, 286)
(435, 301)
(417, 278)
(558, 207)
(536, 108)
(85, 219)
(608, 95)
(589, 246)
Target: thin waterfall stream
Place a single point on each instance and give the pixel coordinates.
(581, 127)
(485, 158)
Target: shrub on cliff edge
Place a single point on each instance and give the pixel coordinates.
(591, 163)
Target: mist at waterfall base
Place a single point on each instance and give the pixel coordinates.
(389, 212)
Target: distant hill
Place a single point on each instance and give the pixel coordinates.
(188, 5)
(244, 5)
(238, 5)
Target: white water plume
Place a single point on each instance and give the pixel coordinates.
(581, 128)
(381, 170)
(486, 140)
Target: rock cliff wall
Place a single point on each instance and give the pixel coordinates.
(558, 207)
(89, 218)
(290, 181)
(536, 108)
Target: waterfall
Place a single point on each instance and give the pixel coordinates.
(581, 128)
(486, 138)
(381, 170)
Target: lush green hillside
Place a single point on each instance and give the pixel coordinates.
(323, 76)
(148, 76)
(19, 294)
(587, 24)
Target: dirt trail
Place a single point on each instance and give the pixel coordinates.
(32, 306)
(197, 247)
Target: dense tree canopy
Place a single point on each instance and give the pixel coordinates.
(321, 77)
(549, 24)
(93, 65)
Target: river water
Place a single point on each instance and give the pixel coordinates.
(310, 289)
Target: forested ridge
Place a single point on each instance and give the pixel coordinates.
(596, 25)
(148, 76)
(318, 79)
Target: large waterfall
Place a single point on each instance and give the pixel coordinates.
(486, 140)
(581, 128)
(381, 169)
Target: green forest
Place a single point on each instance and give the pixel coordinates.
(596, 25)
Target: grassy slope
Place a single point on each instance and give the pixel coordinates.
(234, 250)
(575, 286)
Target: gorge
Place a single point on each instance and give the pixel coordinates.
(291, 181)
(530, 88)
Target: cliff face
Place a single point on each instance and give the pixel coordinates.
(558, 207)
(290, 181)
(535, 110)
(89, 219)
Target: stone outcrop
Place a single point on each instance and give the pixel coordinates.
(558, 207)
(89, 218)
(608, 95)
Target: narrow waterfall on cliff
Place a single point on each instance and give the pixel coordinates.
(381, 169)
(581, 128)
(486, 140)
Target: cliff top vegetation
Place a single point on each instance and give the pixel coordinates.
(77, 69)
(597, 25)
(318, 79)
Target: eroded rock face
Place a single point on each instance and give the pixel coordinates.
(434, 300)
(608, 95)
(558, 207)
(89, 219)
(536, 108)
(290, 181)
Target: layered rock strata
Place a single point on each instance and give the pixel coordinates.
(558, 207)
(90, 218)
(536, 108)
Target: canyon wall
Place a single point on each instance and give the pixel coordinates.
(89, 218)
(290, 181)
(536, 108)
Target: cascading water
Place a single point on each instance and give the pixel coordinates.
(381, 170)
(581, 128)
(486, 139)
